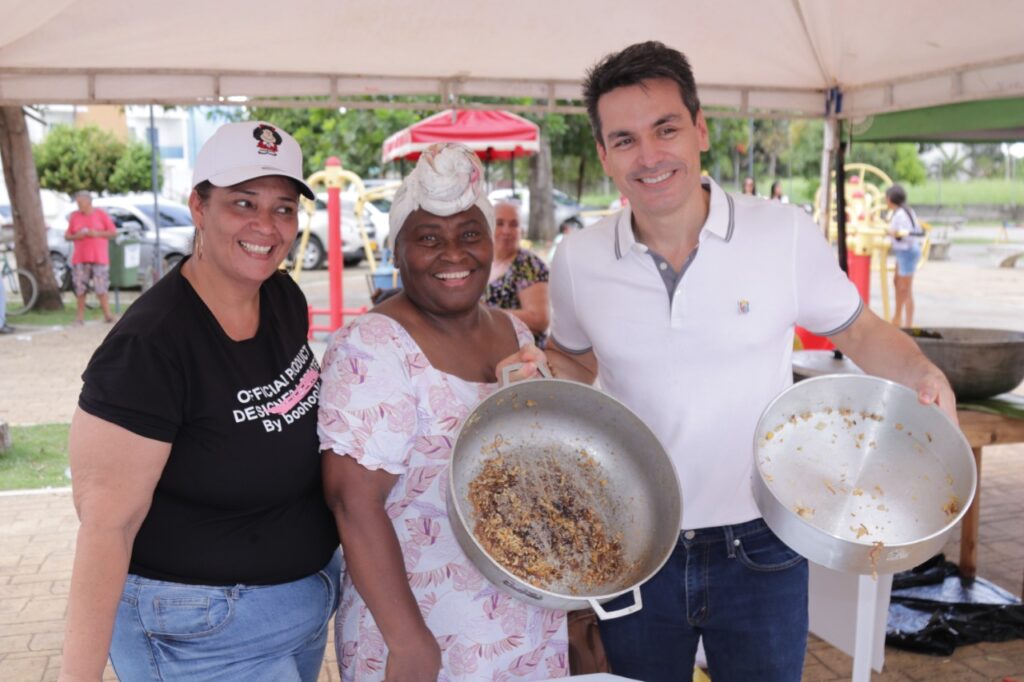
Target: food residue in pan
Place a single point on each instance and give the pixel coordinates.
(803, 512)
(545, 523)
(874, 555)
(952, 506)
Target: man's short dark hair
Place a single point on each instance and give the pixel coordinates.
(896, 194)
(632, 66)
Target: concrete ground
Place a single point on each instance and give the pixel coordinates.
(40, 370)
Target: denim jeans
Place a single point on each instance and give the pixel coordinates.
(739, 588)
(173, 631)
(907, 260)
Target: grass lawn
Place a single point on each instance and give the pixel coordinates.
(65, 316)
(37, 458)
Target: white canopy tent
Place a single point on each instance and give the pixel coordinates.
(775, 57)
(785, 58)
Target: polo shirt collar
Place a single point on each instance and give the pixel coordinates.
(720, 221)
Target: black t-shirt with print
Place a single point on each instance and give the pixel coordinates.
(240, 499)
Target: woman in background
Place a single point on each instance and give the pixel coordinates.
(907, 244)
(519, 278)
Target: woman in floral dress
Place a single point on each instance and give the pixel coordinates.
(397, 384)
(519, 278)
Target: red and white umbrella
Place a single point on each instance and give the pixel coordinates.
(493, 135)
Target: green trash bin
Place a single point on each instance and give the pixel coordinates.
(124, 262)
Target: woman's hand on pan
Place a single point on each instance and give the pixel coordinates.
(529, 357)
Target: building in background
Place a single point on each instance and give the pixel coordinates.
(181, 131)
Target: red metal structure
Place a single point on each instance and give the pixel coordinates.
(333, 177)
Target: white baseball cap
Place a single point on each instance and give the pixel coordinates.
(250, 149)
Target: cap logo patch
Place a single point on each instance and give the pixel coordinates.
(267, 139)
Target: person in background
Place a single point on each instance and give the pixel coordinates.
(777, 194)
(206, 550)
(4, 327)
(749, 187)
(907, 244)
(91, 230)
(398, 383)
(564, 230)
(519, 278)
(705, 289)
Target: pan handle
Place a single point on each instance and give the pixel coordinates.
(506, 372)
(637, 604)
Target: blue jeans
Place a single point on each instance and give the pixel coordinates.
(739, 588)
(907, 260)
(173, 631)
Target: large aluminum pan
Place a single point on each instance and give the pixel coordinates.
(855, 474)
(539, 416)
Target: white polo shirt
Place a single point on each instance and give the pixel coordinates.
(699, 370)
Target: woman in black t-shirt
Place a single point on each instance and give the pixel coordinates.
(206, 550)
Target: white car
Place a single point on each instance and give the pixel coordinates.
(566, 210)
(374, 220)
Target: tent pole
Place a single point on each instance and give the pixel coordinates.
(841, 202)
(827, 147)
(154, 146)
(512, 165)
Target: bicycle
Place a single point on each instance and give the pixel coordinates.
(20, 286)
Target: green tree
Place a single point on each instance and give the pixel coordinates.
(355, 136)
(133, 170)
(772, 139)
(987, 160)
(803, 154)
(727, 139)
(575, 165)
(70, 158)
(899, 160)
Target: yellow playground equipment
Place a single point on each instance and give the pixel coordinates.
(364, 195)
(867, 226)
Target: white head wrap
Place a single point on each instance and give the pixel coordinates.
(448, 179)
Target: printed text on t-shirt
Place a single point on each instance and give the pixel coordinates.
(292, 394)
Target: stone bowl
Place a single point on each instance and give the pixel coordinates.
(979, 363)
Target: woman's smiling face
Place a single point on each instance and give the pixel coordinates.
(506, 230)
(247, 229)
(445, 261)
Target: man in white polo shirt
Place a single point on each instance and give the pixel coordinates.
(685, 304)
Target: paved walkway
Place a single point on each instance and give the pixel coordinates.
(40, 373)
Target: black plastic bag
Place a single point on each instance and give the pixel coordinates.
(933, 612)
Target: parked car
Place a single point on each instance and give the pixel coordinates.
(566, 209)
(374, 220)
(133, 216)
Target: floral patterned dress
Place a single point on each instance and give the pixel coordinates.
(382, 403)
(526, 270)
